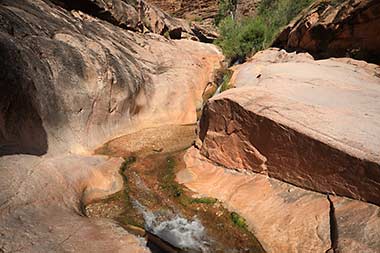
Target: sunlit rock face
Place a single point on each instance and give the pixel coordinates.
(189, 8)
(69, 82)
(311, 123)
(336, 29)
(286, 218)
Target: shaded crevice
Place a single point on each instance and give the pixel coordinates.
(334, 236)
(21, 126)
(94, 9)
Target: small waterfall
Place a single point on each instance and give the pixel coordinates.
(178, 231)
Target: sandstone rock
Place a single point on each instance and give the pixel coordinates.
(357, 226)
(133, 15)
(336, 29)
(283, 218)
(41, 200)
(77, 82)
(161, 23)
(189, 9)
(68, 83)
(311, 123)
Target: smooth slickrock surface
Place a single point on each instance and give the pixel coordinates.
(41, 201)
(285, 218)
(77, 82)
(336, 29)
(68, 83)
(357, 225)
(311, 123)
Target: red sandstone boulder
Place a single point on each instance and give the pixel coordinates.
(311, 123)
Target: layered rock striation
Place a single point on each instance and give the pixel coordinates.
(189, 9)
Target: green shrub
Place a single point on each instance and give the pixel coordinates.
(226, 80)
(238, 220)
(278, 13)
(238, 39)
(168, 182)
(209, 201)
(226, 7)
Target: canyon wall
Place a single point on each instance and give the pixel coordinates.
(78, 81)
(69, 82)
(336, 29)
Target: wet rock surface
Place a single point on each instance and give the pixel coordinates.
(336, 29)
(311, 123)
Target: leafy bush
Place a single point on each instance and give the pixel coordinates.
(278, 13)
(240, 38)
(225, 8)
(237, 39)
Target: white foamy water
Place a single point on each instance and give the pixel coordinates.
(178, 231)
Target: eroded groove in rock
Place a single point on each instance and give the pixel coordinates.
(334, 235)
(21, 128)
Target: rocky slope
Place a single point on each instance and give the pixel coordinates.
(204, 9)
(68, 83)
(310, 123)
(133, 15)
(336, 29)
(189, 9)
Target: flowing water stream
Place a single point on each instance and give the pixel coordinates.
(153, 205)
(176, 230)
